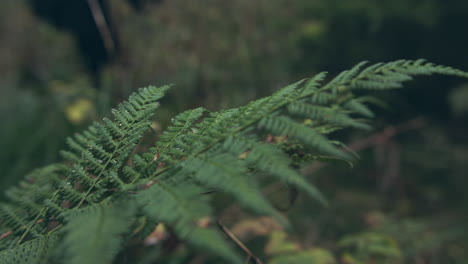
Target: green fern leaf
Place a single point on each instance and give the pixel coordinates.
(271, 160)
(95, 157)
(94, 234)
(393, 74)
(201, 150)
(181, 205)
(246, 192)
(285, 126)
(35, 251)
(324, 114)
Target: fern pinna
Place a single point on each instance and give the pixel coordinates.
(86, 209)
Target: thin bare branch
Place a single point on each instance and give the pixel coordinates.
(102, 26)
(239, 243)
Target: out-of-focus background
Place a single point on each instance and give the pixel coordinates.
(64, 64)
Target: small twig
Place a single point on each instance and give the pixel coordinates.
(387, 134)
(239, 243)
(102, 25)
(6, 234)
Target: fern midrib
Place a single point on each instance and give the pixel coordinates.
(208, 147)
(54, 196)
(98, 177)
(43, 210)
(181, 131)
(117, 149)
(181, 202)
(241, 128)
(26, 232)
(57, 228)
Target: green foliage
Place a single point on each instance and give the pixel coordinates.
(90, 200)
(96, 230)
(33, 251)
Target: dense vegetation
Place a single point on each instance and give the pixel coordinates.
(87, 204)
(402, 202)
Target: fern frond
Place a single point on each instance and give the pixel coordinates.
(26, 200)
(94, 158)
(201, 150)
(356, 106)
(247, 192)
(271, 160)
(325, 114)
(94, 234)
(181, 205)
(286, 126)
(35, 251)
(175, 137)
(392, 75)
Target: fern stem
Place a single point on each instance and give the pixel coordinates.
(98, 177)
(26, 232)
(33, 222)
(241, 128)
